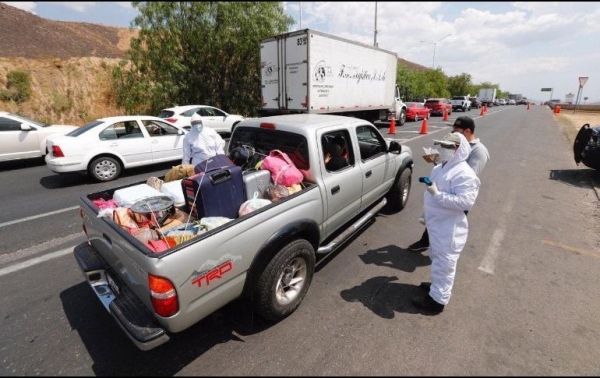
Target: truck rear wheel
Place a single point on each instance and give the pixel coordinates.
(283, 284)
(397, 197)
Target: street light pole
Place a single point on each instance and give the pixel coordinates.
(375, 36)
(434, 45)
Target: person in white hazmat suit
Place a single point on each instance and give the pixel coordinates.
(201, 142)
(453, 191)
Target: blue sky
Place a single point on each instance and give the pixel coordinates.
(522, 46)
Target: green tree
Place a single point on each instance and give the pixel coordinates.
(460, 85)
(197, 53)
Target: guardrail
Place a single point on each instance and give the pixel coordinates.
(567, 106)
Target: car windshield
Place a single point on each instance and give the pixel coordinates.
(85, 128)
(31, 121)
(457, 97)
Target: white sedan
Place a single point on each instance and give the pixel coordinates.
(24, 138)
(212, 117)
(106, 146)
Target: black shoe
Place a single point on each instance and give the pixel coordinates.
(428, 303)
(418, 246)
(425, 286)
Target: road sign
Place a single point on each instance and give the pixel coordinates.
(546, 90)
(582, 80)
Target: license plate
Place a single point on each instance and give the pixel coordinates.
(112, 284)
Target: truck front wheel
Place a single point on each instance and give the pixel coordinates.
(402, 117)
(285, 281)
(397, 197)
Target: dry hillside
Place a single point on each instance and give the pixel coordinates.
(69, 63)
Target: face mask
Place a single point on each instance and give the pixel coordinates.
(198, 127)
(446, 155)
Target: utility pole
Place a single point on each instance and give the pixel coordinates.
(375, 38)
(300, 14)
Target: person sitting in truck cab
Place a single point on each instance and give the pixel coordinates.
(333, 157)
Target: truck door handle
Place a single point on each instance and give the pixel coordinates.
(368, 174)
(107, 238)
(335, 189)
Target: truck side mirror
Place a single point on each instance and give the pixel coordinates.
(395, 147)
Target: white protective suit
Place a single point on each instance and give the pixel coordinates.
(446, 221)
(201, 145)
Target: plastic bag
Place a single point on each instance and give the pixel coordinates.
(276, 192)
(208, 223)
(252, 204)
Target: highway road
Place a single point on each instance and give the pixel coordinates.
(525, 300)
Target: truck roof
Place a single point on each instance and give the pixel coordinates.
(307, 122)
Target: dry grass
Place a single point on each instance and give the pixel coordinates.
(571, 121)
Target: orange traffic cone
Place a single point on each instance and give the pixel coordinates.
(482, 112)
(424, 127)
(445, 116)
(393, 126)
(527, 106)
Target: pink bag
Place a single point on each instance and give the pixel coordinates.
(283, 171)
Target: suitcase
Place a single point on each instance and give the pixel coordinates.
(256, 180)
(216, 193)
(215, 162)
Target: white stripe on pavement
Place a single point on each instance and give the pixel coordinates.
(37, 260)
(47, 245)
(38, 216)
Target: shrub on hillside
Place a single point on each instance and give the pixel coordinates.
(18, 87)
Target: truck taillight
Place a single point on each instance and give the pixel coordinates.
(57, 152)
(163, 296)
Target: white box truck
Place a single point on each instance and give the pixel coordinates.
(306, 71)
(487, 96)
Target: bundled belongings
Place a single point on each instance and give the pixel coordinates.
(179, 172)
(283, 171)
(128, 196)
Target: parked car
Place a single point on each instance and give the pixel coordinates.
(212, 117)
(416, 111)
(24, 138)
(511, 101)
(106, 146)
(502, 101)
(586, 148)
(438, 106)
(475, 102)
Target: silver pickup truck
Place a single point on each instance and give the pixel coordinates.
(269, 254)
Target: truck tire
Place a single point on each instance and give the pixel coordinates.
(402, 118)
(105, 168)
(397, 197)
(285, 281)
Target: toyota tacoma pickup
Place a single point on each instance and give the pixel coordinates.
(267, 255)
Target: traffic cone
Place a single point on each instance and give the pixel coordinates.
(482, 111)
(527, 106)
(424, 127)
(393, 126)
(445, 116)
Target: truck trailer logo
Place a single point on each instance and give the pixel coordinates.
(321, 71)
(358, 74)
(268, 69)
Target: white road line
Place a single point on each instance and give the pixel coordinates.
(38, 260)
(491, 255)
(38, 216)
(48, 245)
